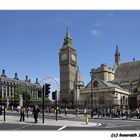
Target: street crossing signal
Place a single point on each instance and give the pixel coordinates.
(54, 94)
(46, 89)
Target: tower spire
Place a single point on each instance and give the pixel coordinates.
(67, 39)
(117, 58)
(117, 50)
(67, 33)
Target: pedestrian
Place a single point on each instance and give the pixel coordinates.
(108, 112)
(59, 110)
(22, 114)
(18, 108)
(128, 114)
(99, 113)
(85, 111)
(77, 111)
(66, 111)
(36, 110)
(49, 110)
(92, 112)
(139, 113)
(121, 113)
(27, 111)
(12, 108)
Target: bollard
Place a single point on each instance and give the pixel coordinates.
(86, 119)
(4, 113)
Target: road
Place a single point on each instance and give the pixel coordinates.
(105, 124)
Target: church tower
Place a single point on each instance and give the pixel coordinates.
(117, 58)
(68, 69)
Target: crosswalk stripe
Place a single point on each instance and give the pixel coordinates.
(61, 128)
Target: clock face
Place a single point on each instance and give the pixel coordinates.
(73, 57)
(64, 56)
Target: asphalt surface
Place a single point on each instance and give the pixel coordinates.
(105, 124)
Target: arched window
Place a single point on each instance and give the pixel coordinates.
(95, 84)
(123, 100)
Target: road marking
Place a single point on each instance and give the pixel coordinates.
(61, 128)
(98, 124)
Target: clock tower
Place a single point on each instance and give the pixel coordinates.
(68, 69)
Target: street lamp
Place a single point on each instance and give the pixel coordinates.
(91, 97)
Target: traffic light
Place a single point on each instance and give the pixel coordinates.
(46, 89)
(54, 94)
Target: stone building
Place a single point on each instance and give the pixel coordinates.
(101, 92)
(103, 72)
(70, 81)
(127, 76)
(122, 84)
(8, 86)
(109, 87)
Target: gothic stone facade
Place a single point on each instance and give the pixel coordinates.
(69, 71)
(115, 86)
(8, 86)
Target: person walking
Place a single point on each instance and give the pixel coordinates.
(77, 111)
(98, 113)
(12, 108)
(85, 111)
(22, 114)
(27, 111)
(128, 114)
(49, 110)
(59, 110)
(66, 111)
(36, 110)
(18, 108)
(137, 113)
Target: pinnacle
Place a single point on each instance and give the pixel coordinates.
(67, 33)
(117, 49)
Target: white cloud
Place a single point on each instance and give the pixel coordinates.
(96, 33)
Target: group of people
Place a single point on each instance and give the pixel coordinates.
(111, 113)
(116, 113)
(24, 110)
(77, 112)
(58, 109)
(99, 112)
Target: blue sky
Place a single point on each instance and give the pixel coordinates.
(30, 40)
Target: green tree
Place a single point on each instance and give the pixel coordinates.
(23, 91)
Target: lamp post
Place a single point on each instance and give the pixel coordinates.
(56, 105)
(91, 97)
(43, 102)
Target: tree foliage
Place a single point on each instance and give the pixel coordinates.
(23, 91)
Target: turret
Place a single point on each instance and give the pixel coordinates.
(103, 72)
(3, 73)
(16, 76)
(117, 56)
(36, 81)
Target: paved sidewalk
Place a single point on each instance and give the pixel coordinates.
(49, 122)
